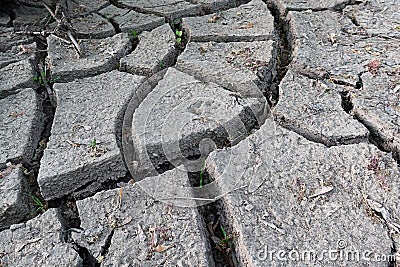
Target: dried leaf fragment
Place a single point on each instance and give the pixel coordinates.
(247, 26)
(17, 114)
(162, 248)
(73, 144)
(373, 66)
(6, 171)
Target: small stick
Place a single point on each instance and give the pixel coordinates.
(76, 45)
(51, 12)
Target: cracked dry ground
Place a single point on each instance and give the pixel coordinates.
(287, 112)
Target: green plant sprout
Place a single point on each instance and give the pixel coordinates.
(178, 34)
(37, 203)
(223, 231)
(134, 33)
(93, 143)
(227, 237)
(161, 63)
(42, 78)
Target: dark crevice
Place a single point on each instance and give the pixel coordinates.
(310, 135)
(68, 211)
(107, 244)
(7, 93)
(396, 157)
(359, 84)
(90, 188)
(347, 105)
(318, 74)
(354, 20)
(213, 214)
(340, 82)
(140, 10)
(31, 166)
(87, 258)
(340, 6)
(376, 137)
(231, 39)
(7, 7)
(112, 22)
(70, 219)
(114, 66)
(284, 50)
(337, 8)
(219, 6)
(394, 251)
(107, 185)
(177, 25)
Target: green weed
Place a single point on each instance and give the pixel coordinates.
(178, 34)
(161, 63)
(134, 33)
(93, 143)
(40, 206)
(43, 78)
(227, 237)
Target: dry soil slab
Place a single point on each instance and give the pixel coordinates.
(17, 53)
(325, 46)
(377, 105)
(21, 117)
(238, 66)
(312, 107)
(183, 117)
(8, 39)
(40, 240)
(284, 6)
(376, 18)
(83, 148)
(319, 203)
(14, 198)
(170, 9)
(97, 56)
(249, 22)
(331, 49)
(129, 20)
(156, 50)
(21, 126)
(135, 226)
